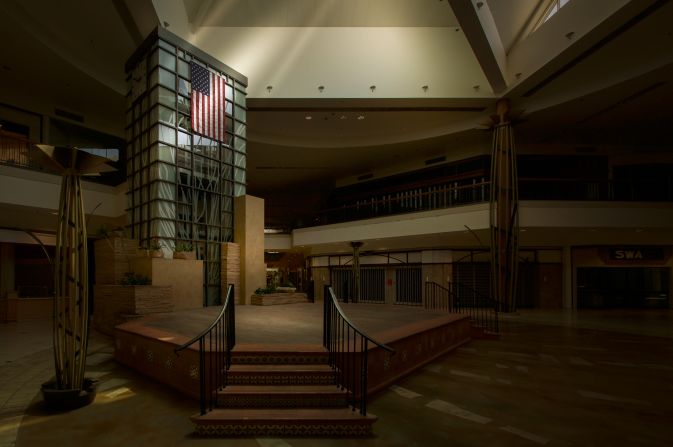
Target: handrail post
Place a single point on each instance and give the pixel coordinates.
(342, 357)
(202, 377)
(223, 330)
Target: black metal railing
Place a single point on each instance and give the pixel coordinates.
(450, 195)
(215, 345)
(348, 349)
(19, 152)
(463, 299)
(408, 201)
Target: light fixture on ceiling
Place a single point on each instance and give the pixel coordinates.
(166, 24)
(361, 117)
(321, 88)
(269, 88)
(372, 88)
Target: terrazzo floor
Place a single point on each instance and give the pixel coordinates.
(554, 378)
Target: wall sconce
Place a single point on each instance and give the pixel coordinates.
(372, 88)
(476, 88)
(269, 88)
(321, 88)
(425, 88)
(570, 35)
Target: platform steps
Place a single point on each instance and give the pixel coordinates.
(282, 394)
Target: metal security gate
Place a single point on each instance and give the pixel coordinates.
(409, 285)
(372, 283)
(472, 283)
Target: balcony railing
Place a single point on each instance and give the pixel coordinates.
(19, 152)
(408, 201)
(429, 198)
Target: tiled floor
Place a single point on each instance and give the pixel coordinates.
(592, 378)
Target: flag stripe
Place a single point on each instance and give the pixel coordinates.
(208, 103)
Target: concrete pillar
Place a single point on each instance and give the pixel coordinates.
(6, 268)
(568, 268)
(249, 235)
(356, 294)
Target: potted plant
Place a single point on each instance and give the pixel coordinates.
(134, 279)
(184, 250)
(155, 249)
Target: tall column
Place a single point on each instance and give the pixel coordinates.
(356, 270)
(249, 235)
(6, 268)
(504, 212)
(567, 278)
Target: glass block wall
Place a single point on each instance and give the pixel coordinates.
(181, 184)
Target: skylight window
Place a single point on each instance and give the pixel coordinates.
(552, 9)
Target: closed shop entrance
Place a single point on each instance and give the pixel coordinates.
(623, 287)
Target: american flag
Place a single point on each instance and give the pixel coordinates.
(208, 92)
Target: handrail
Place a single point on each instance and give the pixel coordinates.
(348, 349)
(221, 336)
(482, 309)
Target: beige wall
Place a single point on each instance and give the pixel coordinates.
(249, 235)
(230, 266)
(186, 277)
(321, 277)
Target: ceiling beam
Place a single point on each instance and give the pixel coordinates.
(200, 15)
(139, 17)
(477, 22)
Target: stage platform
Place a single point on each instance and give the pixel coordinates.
(292, 334)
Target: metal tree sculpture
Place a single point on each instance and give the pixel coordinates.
(504, 211)
(71, 302)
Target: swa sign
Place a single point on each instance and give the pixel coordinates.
(636, 254)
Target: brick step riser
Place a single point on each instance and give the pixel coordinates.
(244, 428)
(286, 401)
(279, 359)
(281, 379)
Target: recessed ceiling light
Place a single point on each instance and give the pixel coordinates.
(308, 117)
(361, 117)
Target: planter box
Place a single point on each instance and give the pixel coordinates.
(115, 304)
(269, 299)
(113, 258)
(189, 255)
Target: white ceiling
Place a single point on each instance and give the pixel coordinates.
(320, 13)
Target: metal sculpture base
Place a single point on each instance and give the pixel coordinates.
(69, 399)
